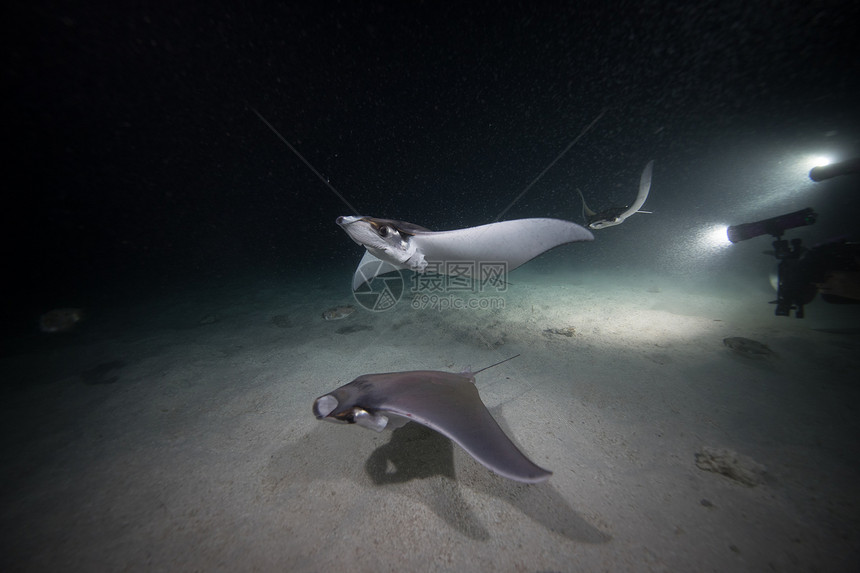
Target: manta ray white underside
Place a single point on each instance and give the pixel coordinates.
(407, 246)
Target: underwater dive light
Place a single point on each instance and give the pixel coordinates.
(823, 172)
(775, 226)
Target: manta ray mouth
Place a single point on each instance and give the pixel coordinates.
(324, 405)
(345, 221)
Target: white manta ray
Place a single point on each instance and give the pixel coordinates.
(409, 246)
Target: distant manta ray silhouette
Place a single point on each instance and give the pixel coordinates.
(617, 215)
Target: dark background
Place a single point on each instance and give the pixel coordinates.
(133, 161)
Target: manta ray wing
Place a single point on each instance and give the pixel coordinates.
(513, 242)
(644, 189)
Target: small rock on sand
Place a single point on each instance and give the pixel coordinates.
(60, 319)
(338, 312)
(731, 464)
(568, 331)
(747, 347)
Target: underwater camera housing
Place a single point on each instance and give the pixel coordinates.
(800, 269)
(792, 291)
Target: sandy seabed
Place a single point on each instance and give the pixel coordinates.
(176, 434)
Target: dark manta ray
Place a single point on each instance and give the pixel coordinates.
(443, 401)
